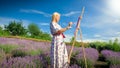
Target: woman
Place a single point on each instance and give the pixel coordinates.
(59, 55)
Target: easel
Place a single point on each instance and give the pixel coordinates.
(75, 36)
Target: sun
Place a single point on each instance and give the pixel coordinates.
(113, 6)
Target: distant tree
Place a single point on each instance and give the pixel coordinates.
(116, 45)
(71, 40)
(1, 31)
(115, 42)
(34, 30)
(110, 42)
(15, 28)
(77, 43)
(45, 36)
(1, 28)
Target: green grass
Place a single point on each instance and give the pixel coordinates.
(7, 48)
(26, 38)
(34, 52)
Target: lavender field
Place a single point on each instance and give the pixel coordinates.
(21, 53)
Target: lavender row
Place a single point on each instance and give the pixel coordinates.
(29, 62)
(25, 62)
(91, 56)
(113, 58)
(28, 45)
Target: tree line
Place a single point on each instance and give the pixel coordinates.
(15, 28)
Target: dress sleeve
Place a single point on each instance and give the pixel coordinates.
(55, 27)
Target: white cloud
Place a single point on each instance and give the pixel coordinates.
(106, 24)
(68, 37)
(35, 11)
(118, 33)
(97, 36)
(93, 40)
(46, 14)
(71, 13)
(1, 25)
(44, 24)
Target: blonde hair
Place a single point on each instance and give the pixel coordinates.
(55, 14)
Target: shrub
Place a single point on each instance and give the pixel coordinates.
(34, 52)
(7, 48)
(74, 66)
(34, 30)
(2, 55)
(18, 62)
(113, 58)
(15, 28)
(20, 52)
(81, 63)
(78, 44)
(91, 57)
(98, 45)
(115, 45)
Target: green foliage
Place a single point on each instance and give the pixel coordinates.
(15, 28)
(81, 63)
(2, 55)
(34, 52)
(73, 58)
(113, 61)
(19, 53)
(7, 48)
(38, 63)
(98, 45)
(45, 36)
(46, 57)
(78, 44)
(34, 30)
(1, 31)
(115, 45)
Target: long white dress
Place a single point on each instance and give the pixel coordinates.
(58, 55)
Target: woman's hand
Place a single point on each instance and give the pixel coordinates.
(69, 25)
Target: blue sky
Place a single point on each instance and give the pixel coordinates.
(101, 19)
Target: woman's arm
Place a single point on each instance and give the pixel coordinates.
(64, 29)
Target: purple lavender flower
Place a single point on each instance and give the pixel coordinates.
(91, 57)
(74, 66)
(112, 57)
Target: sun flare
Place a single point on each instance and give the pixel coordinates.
(113, 6)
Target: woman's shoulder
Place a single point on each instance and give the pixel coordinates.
(54, 23)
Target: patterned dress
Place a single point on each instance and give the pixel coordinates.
(59, 55)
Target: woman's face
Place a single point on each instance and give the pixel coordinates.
(57, 18)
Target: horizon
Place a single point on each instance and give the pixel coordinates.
(100, 21)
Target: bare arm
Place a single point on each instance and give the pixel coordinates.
(61, 30)
(64, 29)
